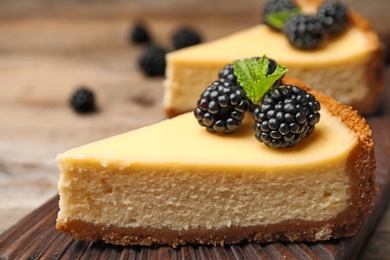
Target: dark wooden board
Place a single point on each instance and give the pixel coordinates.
(47, 49)
(34, 237)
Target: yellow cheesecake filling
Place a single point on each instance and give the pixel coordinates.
(339, 68)
(258, 40)
(176, 175)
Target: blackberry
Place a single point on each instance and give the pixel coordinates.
(152, 61)
(185, 37)
(221, 107)
(139, 34)
(286, 116)
(304, 31)
(227, 73)
(83, 100)
(333, 16)
(277, 6)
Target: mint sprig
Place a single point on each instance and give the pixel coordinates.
(277, 19)
(252, 76)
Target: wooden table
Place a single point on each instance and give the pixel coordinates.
(47, 50)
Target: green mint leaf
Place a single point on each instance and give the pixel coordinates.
(252, 76)
(279, 18)
(245, 73)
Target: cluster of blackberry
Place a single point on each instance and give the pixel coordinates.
(285, 116)
(309, 31)
(222, 106)
(152, 59)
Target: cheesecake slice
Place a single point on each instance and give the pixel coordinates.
(349, 67)
(175, 183)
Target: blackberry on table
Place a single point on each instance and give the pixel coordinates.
(304, 31)
(140, 34)
(277, 6)
(221, 107)
(333, 16)
(83, 100)
(152, 60)
(185, 37)
(286, 116)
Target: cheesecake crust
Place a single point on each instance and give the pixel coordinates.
(360, 169)
(289, 231)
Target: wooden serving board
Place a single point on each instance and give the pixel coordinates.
(34, 237)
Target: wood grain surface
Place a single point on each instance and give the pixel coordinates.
(48, 49)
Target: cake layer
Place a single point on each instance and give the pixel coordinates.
(175, 178)
(349, 67)
(169, 186)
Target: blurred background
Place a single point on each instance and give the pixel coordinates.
(49, 48)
